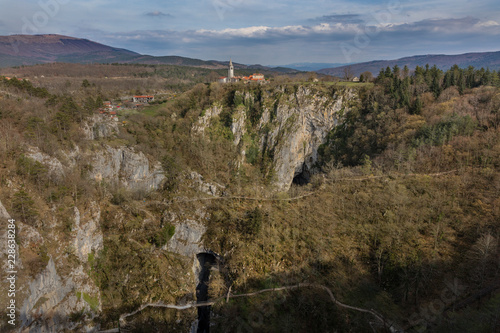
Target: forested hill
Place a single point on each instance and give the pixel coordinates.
(17, 50)
(485, 60)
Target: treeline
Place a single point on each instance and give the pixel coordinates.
(406, 88)
(54, 117)
(27, 86)
(405, 114)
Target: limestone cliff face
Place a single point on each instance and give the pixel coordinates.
(204, 121)
(54, 166)
(300, 124)
(100, 126)
(62, 296)
(189, 230)
(127, 166)
(48, 302)
(52, 299)
(294, 122)
(88, 235)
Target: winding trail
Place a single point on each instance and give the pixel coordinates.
(386, 323)
(330, 181)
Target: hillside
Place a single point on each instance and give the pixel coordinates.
(485, 60)
(52, 48)
(20, 50)
(289, 206)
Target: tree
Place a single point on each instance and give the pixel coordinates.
(85, 83)
(366, 77)
(348, 73)
(484, 256)
(417, 106)
(24, 206)
(396, 72)
(388, 72)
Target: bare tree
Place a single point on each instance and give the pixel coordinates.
(348, 73)
(484, 254)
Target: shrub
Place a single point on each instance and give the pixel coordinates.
(252, 222)
(444, 131)
(252, 154)
(119, 196)
(163, 236)
(24, 205)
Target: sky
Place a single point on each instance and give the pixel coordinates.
(276, 32)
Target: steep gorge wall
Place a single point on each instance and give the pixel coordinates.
(294, 122)
(301, 124)
(47, 302)
(62, 295)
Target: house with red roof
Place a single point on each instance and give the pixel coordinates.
(143, 99)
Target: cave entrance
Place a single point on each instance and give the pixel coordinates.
(207, 261)
(302, 178)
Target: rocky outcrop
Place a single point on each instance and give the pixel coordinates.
(204, 121)
(52, 300)
(189, 231)
(54, 166)
(4, 217)
(48, 302)
(126, 166)
(238, 124)
(200, 185)
(89, 236)
(132, 169)
(100, 126)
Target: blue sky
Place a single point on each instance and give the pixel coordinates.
(267, 32)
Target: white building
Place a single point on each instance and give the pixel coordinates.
(230, 74)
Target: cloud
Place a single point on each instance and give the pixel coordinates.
(342, 18)
(446, 27)
(316, 42)
(328, 34)
(158, 14)
(291, 31)
(487, 24)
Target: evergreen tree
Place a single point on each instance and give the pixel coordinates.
(461, 83)
(417, 106)
(388, 72)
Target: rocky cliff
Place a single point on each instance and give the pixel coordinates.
(126, 166)
(64, 238)
(293, 123)
(61, 297)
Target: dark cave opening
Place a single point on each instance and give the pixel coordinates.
(302, 178)
(206, 260)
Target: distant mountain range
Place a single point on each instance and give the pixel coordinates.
(313, 66)
(489, 60)
(17, 50)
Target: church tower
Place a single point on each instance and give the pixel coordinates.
(231, 70)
